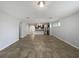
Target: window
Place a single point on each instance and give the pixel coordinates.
(56, 24)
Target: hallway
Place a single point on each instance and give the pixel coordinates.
(40, 46)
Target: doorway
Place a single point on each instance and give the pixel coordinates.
(39, 29)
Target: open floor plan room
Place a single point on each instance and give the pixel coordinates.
(39, 29)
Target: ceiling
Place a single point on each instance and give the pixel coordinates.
(26, 10)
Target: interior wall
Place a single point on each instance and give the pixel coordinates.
(68, 31)
(24, 29)
(9, 30)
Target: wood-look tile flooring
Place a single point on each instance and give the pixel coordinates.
(40, 46)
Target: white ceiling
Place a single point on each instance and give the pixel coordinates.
(26, 10)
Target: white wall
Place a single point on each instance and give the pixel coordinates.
(9, 30)
(68, 31)
(24, 29)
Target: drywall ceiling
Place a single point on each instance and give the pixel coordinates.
(26, 10)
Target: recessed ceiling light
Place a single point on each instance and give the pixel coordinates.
(50, 17)
(28, 17)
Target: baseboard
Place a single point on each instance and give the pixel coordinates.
(8, 44)
(66, 42)
(24, 36)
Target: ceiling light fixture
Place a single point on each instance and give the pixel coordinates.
(41, 3)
